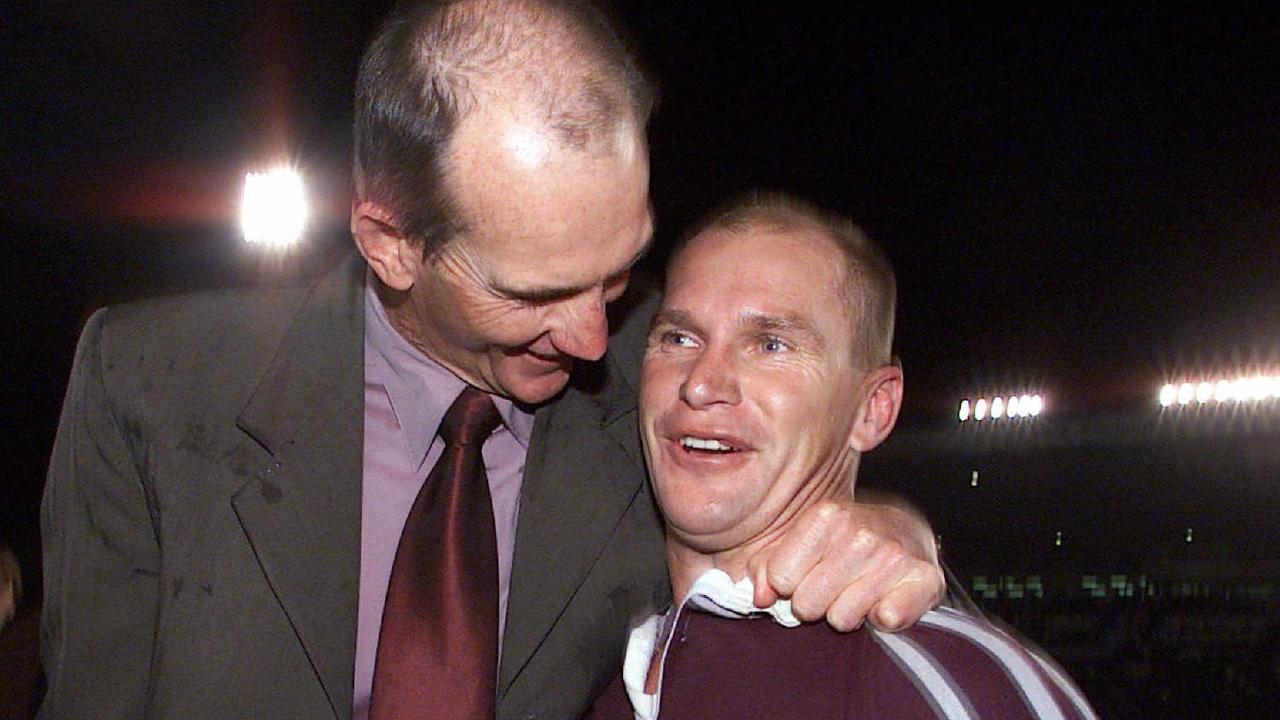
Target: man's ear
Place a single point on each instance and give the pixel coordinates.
(391, 256)
(881, 401)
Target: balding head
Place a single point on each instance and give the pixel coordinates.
(558, 63)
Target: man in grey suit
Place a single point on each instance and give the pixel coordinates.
(229, 480)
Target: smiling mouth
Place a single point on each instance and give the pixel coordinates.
(709, 445)
(557, 359)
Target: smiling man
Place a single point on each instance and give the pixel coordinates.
(767, 374)
(414, 488)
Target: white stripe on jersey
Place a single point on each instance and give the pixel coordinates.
(1007, 652)
(928, 671)
(1066, 685)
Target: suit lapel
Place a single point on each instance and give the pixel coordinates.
(301, 513)
(583, 469)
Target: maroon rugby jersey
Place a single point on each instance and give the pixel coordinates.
(949, 665)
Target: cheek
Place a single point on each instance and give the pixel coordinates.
(499, 323)
(660, 380)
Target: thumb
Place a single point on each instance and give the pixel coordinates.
(758, 571)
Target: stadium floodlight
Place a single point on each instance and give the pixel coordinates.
(1000, 407)
(1186, 391)
(1204, 392)
(273, 209)
(1221, 391)
(1037, 405)
(1013, 409)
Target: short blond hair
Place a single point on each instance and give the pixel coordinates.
(869, 289)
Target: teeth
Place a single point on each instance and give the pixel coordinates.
(704, 444)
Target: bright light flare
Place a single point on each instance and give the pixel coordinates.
(1014, 408)
(273, 210)
(1254, 389)
(1186, 391)
(999, 407)
(1204, 391)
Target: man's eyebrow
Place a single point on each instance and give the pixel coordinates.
(678, 318)
(788, 323)
(551, 293)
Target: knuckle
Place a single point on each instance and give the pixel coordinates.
(894, 559)
(829, 513)
(865, 539)
(782, 578)
(806, 608)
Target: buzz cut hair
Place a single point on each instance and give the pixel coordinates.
(868, 288)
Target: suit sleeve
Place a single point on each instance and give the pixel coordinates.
(101, 555)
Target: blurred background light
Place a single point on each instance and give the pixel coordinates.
(1252, 389)
(1037, 405)
(1007, 407)
(274, 208)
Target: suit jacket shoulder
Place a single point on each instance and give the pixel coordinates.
(206, 468)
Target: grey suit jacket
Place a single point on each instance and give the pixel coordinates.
(201, 519)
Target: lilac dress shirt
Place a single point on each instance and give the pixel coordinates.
(405, 396)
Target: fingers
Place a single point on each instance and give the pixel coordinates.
(790, 559)
(919, 590)
(849, 563)
(855, 600)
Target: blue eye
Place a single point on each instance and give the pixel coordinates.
(772, 344)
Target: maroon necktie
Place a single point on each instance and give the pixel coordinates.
(438, 647)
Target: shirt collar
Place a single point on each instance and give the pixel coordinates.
(420, 389)
(713, 592)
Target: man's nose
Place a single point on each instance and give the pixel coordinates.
(712, 380)
(583, 329)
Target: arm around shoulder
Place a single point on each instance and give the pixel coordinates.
(101, 555)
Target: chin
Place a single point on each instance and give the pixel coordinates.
(533, 389)
(705, 529)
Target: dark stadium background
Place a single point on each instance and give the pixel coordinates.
(1082, 202)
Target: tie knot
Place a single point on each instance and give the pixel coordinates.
(470, 419)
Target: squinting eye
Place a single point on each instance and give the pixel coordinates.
(773, 345)
(676, 338)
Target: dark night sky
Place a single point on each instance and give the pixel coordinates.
(1084, 199)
